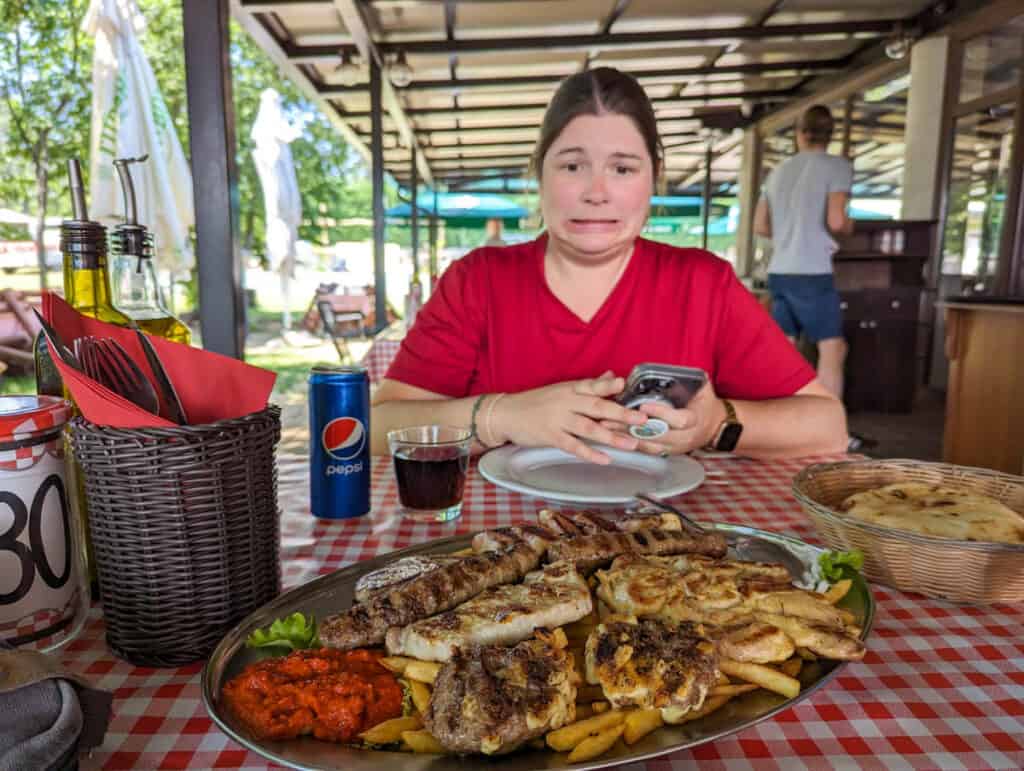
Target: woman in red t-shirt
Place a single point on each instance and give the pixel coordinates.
(526, 343)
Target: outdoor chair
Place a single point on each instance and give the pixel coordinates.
(331, 323)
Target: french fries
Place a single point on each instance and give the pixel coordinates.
(567, 737)
(792, 666)
(422, 671)
(733, 689)
(641, 722)
(766, 677)
(600, 706)
(806, 654)
(596, 745)
(390, 731)
(711, 704)
(396, 664)
(422, 742)
(837, 591)
(420, 695)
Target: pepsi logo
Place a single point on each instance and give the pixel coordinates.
(343, 438)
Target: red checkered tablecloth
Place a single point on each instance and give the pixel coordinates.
(942, 685)
(378, 358)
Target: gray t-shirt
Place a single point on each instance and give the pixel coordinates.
(797, 192)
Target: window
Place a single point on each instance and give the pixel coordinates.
(984, 127)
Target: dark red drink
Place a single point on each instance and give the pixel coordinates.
(431, 477)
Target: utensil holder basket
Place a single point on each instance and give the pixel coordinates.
(185, 530)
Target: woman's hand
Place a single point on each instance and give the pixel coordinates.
(563, 415)
(690, 427)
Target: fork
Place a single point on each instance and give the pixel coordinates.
(108, 363)
(690, 523)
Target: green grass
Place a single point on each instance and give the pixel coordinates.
(17, 384)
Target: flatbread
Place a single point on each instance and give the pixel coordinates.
(937, 510)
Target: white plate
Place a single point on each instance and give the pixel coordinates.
(552, 474)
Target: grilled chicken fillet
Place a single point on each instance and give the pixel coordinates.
(590, 551)
(492, 699)
(501, 615)
(750, 609)
(425, 595)
(652, 664)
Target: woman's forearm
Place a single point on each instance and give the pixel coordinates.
(402, 413)
(791, 427)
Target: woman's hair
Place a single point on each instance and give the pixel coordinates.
(600, 91)
(816, 124)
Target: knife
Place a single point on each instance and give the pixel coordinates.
(61, 349)
(163, 381)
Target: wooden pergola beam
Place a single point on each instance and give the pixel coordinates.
(866, 28)
(463, 84)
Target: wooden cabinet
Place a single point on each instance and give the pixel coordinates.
(985, 397)
(879, 276)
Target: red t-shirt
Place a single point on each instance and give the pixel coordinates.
(493, 324)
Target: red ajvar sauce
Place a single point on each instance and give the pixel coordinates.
(328, 693)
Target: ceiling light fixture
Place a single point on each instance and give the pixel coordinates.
(400, 71)
(347, 70)
(898, 45)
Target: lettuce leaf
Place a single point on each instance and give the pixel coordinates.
(837, 565)
(293, 632)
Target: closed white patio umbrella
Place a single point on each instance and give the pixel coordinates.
(129, 120)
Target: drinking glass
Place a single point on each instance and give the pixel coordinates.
(430, 466)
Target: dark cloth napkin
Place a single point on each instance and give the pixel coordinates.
(47, 714)
(211, 387)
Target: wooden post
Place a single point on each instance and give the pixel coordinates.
(705, 206)
(377, 178)
(414, 220)
(212, 155)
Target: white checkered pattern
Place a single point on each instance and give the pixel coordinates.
(942, 685)
(378, 358)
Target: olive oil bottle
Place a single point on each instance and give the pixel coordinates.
(83, 244)
(136, 291)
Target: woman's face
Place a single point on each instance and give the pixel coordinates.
(596, 186)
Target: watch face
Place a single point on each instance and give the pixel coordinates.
(729, 437)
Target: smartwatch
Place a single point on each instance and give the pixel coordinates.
(728, 435)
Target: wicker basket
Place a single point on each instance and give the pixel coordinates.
(185, 531)
(961, 571)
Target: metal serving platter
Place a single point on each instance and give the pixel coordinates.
(332, 593)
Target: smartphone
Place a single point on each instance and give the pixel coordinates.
(660, 383)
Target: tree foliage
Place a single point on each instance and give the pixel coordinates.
(45, 99)
(44, 59)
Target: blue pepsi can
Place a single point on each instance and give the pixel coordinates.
(339, 438)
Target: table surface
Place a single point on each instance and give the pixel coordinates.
(942, 685)
(382, 350)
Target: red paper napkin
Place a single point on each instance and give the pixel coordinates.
(211, 387)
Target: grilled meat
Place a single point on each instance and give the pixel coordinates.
(501, 615)
(397, 573)
(748, 608)
(590, 551)
(426, 594)
(828, 641)
(592, 522)
(492, 699)
(535, 536)
(756, 641)
(652, 664)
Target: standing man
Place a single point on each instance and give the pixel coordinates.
(803, 207)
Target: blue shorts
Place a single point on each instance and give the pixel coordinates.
(806, 303)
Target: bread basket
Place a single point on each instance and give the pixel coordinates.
(960, 571)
